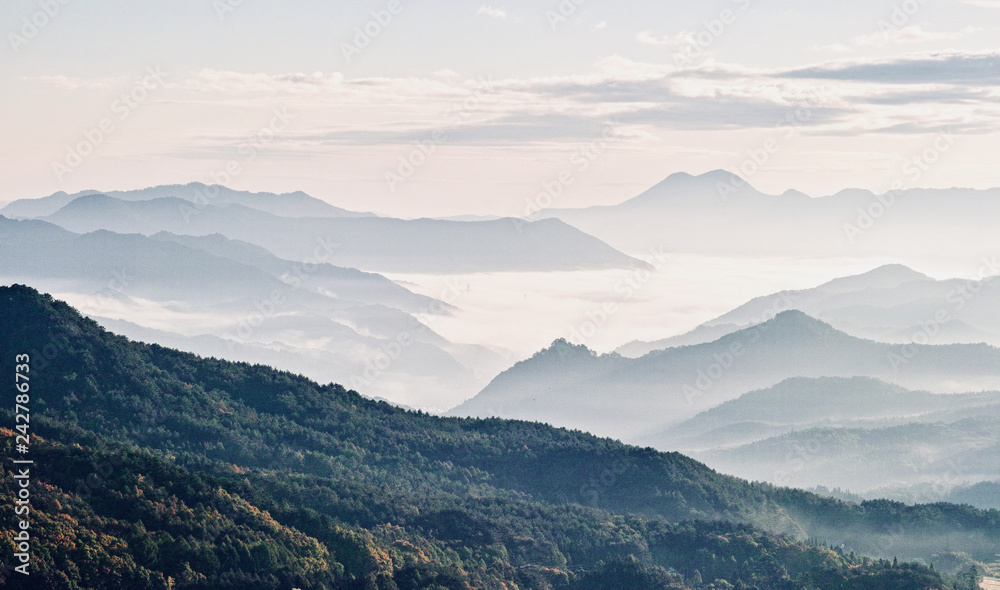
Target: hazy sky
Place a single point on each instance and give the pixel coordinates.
(489, 102)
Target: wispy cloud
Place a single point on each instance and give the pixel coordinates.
(911, 34)
(888, 36)
(977, 69)
(908, 94)
(832, 48)
(75, 83)
(953, 90)
(982, 3)
(497, 13)
(222, 81)
(508, 129)
(679, 40)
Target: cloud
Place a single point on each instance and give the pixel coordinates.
(974, 69)
(606, 90)
(728, 113)
(911, 34)
(943, 126)
(887, 96)
(833, 48)
(74, 83)
(321, 86)
(953, 95)
(497, 13)
(982, 3)
(907, 94)
(679, 40)
(221, 81)
(507, 129)
(889, 35)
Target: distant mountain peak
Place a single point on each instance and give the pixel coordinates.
(896, 269)
(91, 200)
(718, 175)
(718, 185)
(884, 277)
(791, 323)
(854, 193)
(706, 178)
(796, 317)
(564, 349)
(795, 324)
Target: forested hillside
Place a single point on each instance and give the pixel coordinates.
(157, 469)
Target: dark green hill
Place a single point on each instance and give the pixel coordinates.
(225, 475)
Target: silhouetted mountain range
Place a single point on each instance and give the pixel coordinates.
(235, 300)
(368, 243)
(860, 434)
(297, 204)
(800, 403)
(571, 386)
(937, 455)
(720, 213)
(891, 303)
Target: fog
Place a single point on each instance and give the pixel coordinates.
(525, 312)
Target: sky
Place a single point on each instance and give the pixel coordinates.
(421, 108)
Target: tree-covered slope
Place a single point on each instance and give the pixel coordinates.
(334, 490)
